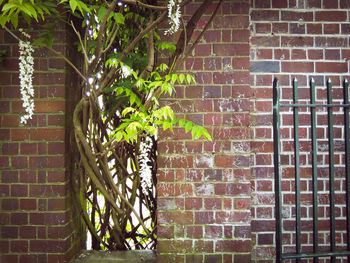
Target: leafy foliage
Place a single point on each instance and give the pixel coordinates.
(121, 86)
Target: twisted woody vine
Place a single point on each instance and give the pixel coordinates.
(116, 121)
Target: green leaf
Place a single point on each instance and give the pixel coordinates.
(188, 126)
(14, 20)
(119, 136)
(182, 78)
(182, 122)
(73, 5)
(127, 110)
(101, 13)
(174, 78)
(119, 18)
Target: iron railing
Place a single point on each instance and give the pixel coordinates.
(331, 251)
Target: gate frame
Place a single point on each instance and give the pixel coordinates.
(333, 253)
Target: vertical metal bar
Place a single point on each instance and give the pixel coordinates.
(297, 169)
(347, 158)
(331, 168)
(277, 169)
(314, 167)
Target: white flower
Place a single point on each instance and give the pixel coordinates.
(174, 15)
(145, 168)
(26, 70)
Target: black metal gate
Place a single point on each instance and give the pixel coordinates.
(314, 208)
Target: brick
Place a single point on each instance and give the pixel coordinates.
(175, 161)
(183, 190)
(241, 203)
(332, 54)
(232, 189)
(47, 134)
(27, 176)
(279, 28)
(315, 54)
(232, 245)
(56, 148)
(296, 28)
(338, 67)
(9, 204)
(194, 231)
(176, 217)
(265, 41)
(212, 203)
(213, 231)
(265, 66)
(19, 162)
(165, 232)
(212, 63)
(314, 28)
(49, 106)
(9, 177)
(203, 50)
(204, 217)
(297, 66)
(48, 246)
(19, 134)
(4, 134)
(4, 190)
(231, 49)
(193, 203)
(331, 42)
(4, 246)
(57, 204)
(331, 28)
(267, 15)
(9, 148)
(296, 16)
(4, 107)
(299, 41)
(328, 16)
(47, 190)
(9, 232)
(47, 218)
(229, 133)
(232, 217)
(260, 54)
(29, 148)
(19, 190)
(203, 246)
(175, 246)
(9, 121)
(47, 162)
(195, 63)
(19, 218)
(28, 204)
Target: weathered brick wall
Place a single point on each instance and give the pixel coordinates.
(204, 187)
(290, 39)
(36, 219)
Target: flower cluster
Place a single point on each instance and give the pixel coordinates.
(145, 168)
(174, 15)
(26, 70)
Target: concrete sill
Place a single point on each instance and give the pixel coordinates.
(131, 256)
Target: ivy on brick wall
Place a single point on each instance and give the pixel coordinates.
(124, 68)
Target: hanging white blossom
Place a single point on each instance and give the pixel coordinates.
(26, 70)
(145, 168)
(174, 15)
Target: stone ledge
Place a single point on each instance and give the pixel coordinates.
(131, 256)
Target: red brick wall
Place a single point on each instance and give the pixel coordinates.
(204, 187)
(290, 39)
(36, 221)
(215, 199)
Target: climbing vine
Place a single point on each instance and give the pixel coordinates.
(117, 119)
